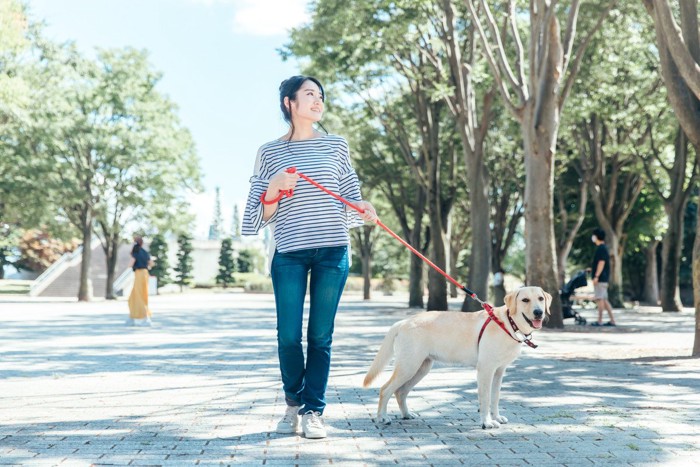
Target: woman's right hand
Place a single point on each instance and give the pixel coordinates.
(282, 181)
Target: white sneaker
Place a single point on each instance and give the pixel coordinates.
(145, 322)
(130, 322)
(312, 424)
(290, 421)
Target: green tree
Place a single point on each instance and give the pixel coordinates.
(672, 173)
(679, 56)
(249, 260)
(9, 237)
(161, 267)
(62, 137)
(227, 266)
(600, 134)
(534, 78)
(645, 228)
(183, 269)
(380, 164)
(98, 146)
(341, 44)
(150, 158)
(17, 210)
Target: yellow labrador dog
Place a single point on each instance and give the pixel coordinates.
(461, 338)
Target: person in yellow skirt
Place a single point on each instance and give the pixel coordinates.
(141, 262)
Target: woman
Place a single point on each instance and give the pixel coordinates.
(310, 229)
(141, 262)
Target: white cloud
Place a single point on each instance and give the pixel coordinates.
(264, 17)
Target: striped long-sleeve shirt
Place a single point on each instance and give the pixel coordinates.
(310, 218)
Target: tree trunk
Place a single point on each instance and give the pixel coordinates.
(454, 256)
(437, 284)
(685, 107)
(612, 240)
(696, 271)
(415, 283)
(671, 258)
(364, 242)
(540, 257)
(367, 276)
(415, 274)
(562, 262)
(651, 278)
(85, 288)
(111, 255)
(451, 257)
(479, 218)
(569, 232)
(472, 131)
(499, 294)
(696, 280)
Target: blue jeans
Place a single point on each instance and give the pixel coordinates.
(305, 385)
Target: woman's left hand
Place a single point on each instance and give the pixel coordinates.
(369, 214)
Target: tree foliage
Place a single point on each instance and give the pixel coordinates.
(227, 265)
(161, 268)
(183, 268)
(96, 147)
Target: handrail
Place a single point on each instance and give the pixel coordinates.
(60, 265)
(120, 281)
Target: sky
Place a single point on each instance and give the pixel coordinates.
(220, 66)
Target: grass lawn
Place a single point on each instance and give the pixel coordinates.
(14, 287)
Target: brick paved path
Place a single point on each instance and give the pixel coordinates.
(77, 387)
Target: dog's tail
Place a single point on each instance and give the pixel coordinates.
(383, 356)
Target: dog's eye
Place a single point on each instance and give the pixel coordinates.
(541, 299)
(526, 300)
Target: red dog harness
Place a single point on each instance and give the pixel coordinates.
(494, 318)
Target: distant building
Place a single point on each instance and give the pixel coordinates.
(205, 256)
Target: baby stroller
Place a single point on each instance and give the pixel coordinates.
(578, 280)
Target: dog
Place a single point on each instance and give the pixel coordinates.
(459, 338)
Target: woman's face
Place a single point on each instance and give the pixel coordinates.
(309, 102)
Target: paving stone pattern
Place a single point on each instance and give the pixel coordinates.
(202, 387)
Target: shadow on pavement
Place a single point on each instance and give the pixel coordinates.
(203, 384)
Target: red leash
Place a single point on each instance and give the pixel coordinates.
(289, 193)
(472, 295)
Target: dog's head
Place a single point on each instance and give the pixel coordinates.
(528, 306)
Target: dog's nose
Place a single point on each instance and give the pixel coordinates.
(538, 313)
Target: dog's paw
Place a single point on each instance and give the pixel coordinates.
(383, 420)
(490, 424)
(410, 415)
(501, 419)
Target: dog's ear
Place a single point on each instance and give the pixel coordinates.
(510, 301)
(547, 302)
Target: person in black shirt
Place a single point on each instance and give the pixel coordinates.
(141, 262)
(600, 270)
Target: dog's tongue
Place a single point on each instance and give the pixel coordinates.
(537, 323)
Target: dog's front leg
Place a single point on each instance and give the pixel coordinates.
(484, 381)
(496, 395)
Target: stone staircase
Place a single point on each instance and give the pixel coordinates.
(67, 282)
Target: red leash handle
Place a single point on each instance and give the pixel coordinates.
(281, 194)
